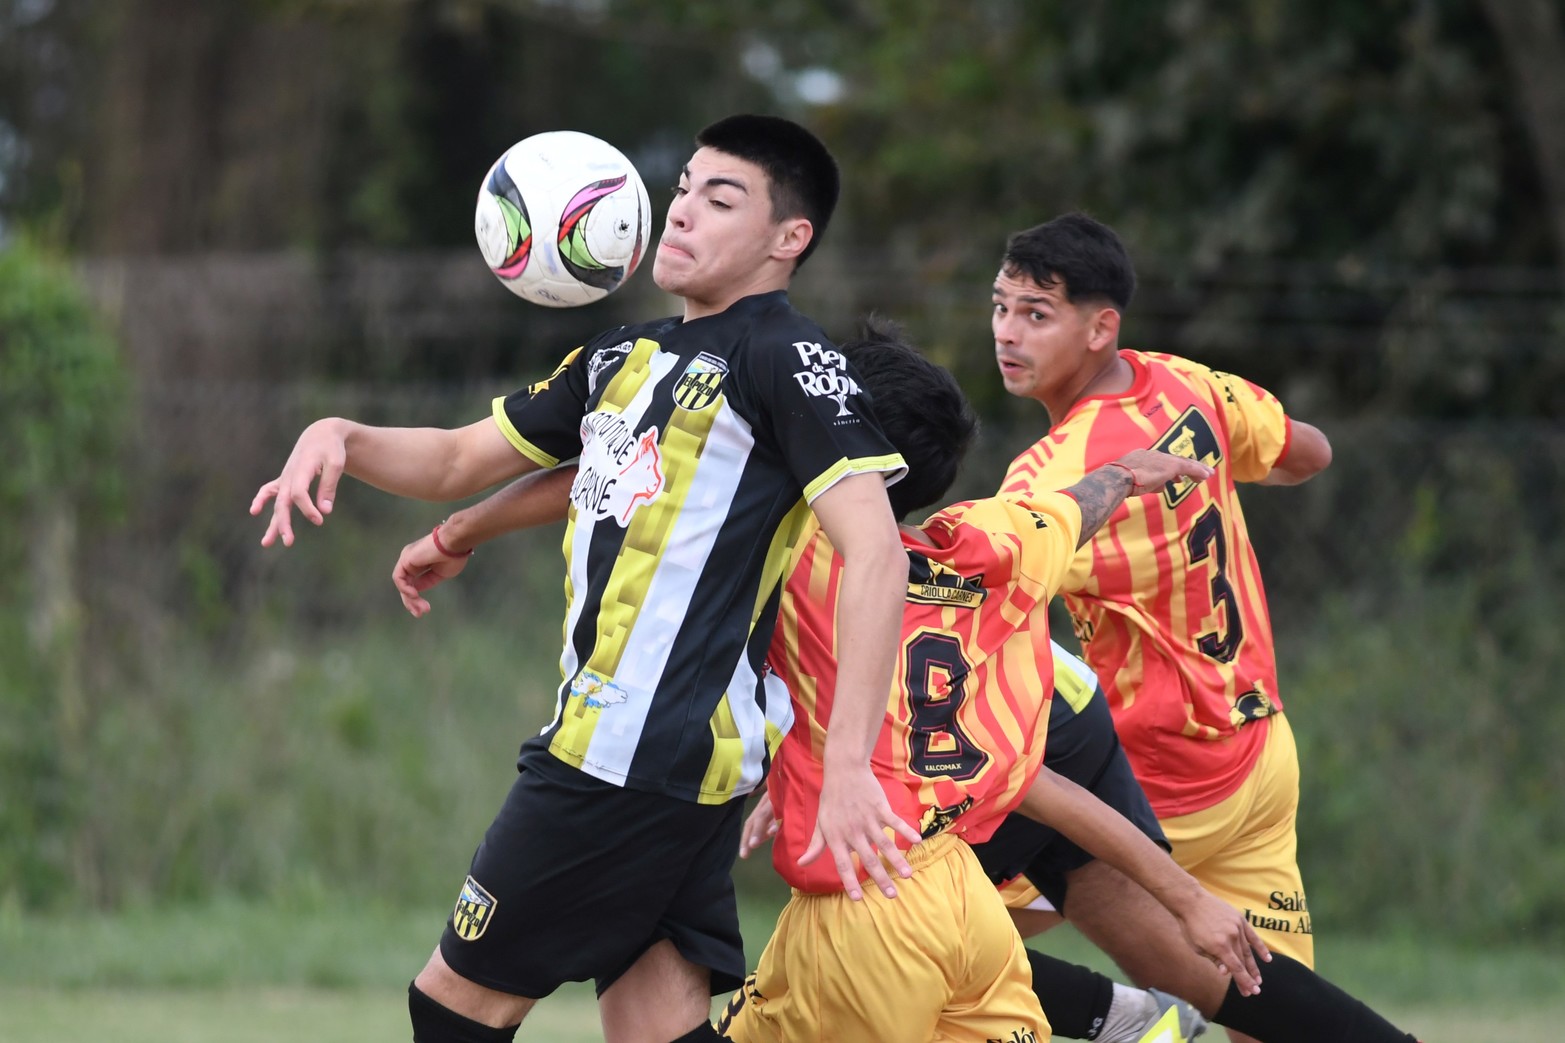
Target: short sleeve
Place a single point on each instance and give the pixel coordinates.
(1049, 525)
(1257, 425)
(822, 420)
(543, 420)
(1031, 537)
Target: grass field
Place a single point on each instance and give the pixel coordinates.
(335, 974)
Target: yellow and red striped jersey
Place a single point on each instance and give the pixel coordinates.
(968, 712)
(1166, 597)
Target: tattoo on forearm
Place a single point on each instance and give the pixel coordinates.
(1099, 494)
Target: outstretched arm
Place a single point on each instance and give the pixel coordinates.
(1213, 928)
(1142, 471)
(533, 499)
(1309, 453)
(854, 812)
(423, 463)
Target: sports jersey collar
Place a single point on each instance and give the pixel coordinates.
(1140, 378)
(743, 306)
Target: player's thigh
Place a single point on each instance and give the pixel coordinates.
(661, 997)
(571, 881)
(879, 968)
(1248, 849)
(994, 998)
(1123, 919)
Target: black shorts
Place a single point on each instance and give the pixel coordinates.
(577, 878)
(1084, 748)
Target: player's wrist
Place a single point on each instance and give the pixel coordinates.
(444, 547)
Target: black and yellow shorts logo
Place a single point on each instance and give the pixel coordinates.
(474, 909)
(1191, 436)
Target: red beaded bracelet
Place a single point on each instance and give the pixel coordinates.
(434, 534)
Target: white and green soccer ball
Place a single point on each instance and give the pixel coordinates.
(562, 219)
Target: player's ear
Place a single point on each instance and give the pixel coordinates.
(1103, 329)
(793, 235)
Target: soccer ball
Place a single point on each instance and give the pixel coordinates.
(562, 218)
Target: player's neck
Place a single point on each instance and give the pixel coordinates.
(763, 281)
(1114, 377)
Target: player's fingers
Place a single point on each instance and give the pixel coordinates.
(905, 829)
(869, 856)
(1255, 944)
(817, 845)
(847, 874)
(266, 492)
(331, 474)
(889, 850)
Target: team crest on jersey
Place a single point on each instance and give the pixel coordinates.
(697, 386)
(474, 909)
(931, 583)
(938, 819)
(619, 469)
(596, 691)
(602, 359)
(1192, 437)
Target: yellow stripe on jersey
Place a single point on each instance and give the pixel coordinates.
(627, 381)
(522, 445)
(893, 464)
(646, 538)
(722, 772)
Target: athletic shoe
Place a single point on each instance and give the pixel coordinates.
(1177, 1022)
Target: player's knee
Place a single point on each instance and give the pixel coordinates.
(433, 1023)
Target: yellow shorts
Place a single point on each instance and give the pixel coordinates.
(1244, 849)
(939, 962)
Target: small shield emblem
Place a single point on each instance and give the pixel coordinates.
(474, 909)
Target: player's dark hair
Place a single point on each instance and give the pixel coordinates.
(800, 169)
(1082, 253)
(920, 407)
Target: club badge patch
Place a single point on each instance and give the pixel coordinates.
(697, 386)
(474, 909)
(1190, 436)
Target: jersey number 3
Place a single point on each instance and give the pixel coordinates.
(1206, 539)
(936, 681)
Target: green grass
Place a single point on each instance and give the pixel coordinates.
(333, 971)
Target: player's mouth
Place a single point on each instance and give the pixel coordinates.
(670, 248)
(1009, 367)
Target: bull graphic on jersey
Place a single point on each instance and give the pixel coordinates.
(939, 819)
(620, 470)
(1191, 436)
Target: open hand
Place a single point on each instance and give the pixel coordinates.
(1220, 933)
(853, 820)
(321, 452)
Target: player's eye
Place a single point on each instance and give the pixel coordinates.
(678, 190)
(719, 204)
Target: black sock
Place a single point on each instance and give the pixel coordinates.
(433, 1023)
(1296, 1005)
(1076, 999)
(702, 1033)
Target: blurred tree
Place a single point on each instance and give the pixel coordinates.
(62, 410)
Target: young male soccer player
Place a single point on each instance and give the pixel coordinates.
(961, 742)
(705, 441)
(1045, 875)
(1167, 597)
